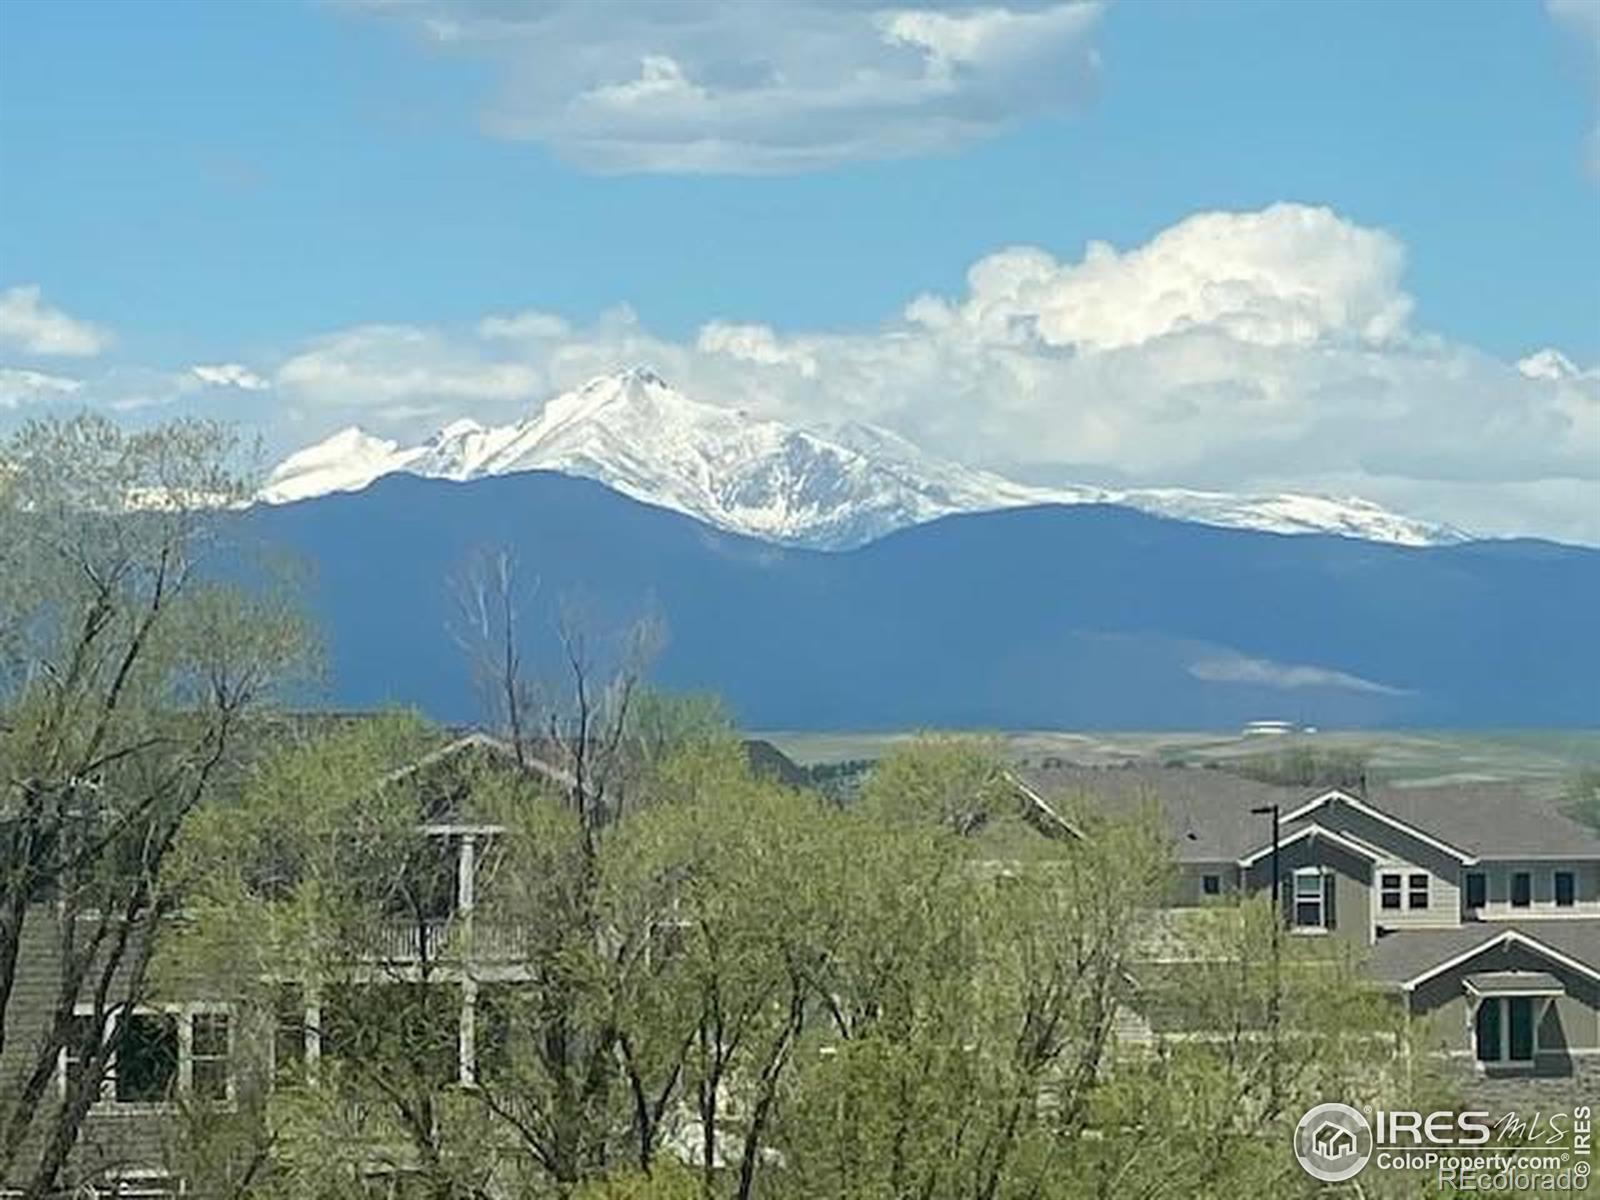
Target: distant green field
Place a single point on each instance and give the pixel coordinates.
(1536, 757)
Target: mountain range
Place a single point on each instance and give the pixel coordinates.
(1049, 616)
(834, 488)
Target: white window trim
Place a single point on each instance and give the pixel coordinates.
(1411, 891)
(107, 1103)
(1321, 876)
(1399, 890)
(187, 1014)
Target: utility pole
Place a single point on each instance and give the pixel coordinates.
(1276, 1003)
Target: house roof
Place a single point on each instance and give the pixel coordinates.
(1418, 954)
(1515, 983)
(1310, 829)
(1310, 811)
(1491, 820)
(1207, 811)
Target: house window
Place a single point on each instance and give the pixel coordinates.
(1211, 885)
(1566, 893)
(147, 1058)
(1504, 1029)
(1389, 891)
(210, 1042)
(1521, 889)
(1310, 899)
(1477, 889)
(157, 1054)
(1417, 896)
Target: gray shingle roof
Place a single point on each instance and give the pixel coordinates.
(1207, 811)
(1491, 820)
(1402, 956)
(1515, 983)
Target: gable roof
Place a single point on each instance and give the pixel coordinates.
(1408, 828)
(488, 743)
(1206, 811)
(1407, 960)
(1207, 815)
(1313, 830)
(1039, 813)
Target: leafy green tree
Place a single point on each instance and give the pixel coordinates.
(128, 669)
(733, 989)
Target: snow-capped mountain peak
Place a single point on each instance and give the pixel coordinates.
(830, 488)
(345, 462)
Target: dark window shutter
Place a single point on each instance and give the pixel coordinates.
(1330, 888)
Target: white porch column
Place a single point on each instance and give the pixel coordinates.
(466, 900)
(467, 1043)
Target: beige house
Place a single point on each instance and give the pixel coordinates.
(1478, 906)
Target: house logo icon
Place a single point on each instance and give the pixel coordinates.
(1333, 1142)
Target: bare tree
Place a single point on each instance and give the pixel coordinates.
(577, 717)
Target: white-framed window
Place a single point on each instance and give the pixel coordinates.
(1477, 889)
(1417, 890)
(160, 1052)
(1309, 899)
(1389, 891)
(1521, 889)
(209, 1061)
(1506, 1029)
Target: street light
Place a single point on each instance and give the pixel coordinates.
(1271, 810)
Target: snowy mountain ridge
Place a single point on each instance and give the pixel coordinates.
(832, 489)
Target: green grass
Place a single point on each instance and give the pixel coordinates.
(1544, 758)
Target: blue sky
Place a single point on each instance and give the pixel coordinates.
(245, 183)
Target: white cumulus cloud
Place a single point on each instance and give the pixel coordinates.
(1250, 352)
(29, 325)
(731, 86)
(524, 326)
(403, 371)
(1290, 274)
(229, 375)
(19, 386)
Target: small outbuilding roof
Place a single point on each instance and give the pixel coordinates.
(1404, 960)
(1515, 983)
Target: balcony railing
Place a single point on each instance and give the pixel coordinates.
(445, 939)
